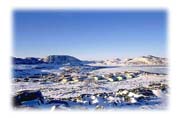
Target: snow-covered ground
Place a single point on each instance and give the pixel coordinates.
(70, 90)
(65, 82)
(66, 90)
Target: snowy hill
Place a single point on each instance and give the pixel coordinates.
(146, 60)
(115, 61)
(108, 62)
(137, 61)
(62, 60)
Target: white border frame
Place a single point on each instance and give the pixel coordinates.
(6, 10)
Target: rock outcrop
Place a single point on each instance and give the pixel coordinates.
(28, 95)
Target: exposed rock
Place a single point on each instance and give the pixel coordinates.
(17, 80)
(144, 91)
(27, 95)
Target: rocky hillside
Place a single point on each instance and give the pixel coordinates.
(28, 60)
(51, 59)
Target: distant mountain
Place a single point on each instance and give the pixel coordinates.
(70, 60)
(62, 60)
(108, 62)
(138, 61)
(28, 60)
(51, 59)
(115, 61)
(146, 60)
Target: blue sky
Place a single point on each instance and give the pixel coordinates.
(90, 34)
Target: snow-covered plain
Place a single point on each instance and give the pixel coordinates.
(70, 91)
(66, 90)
